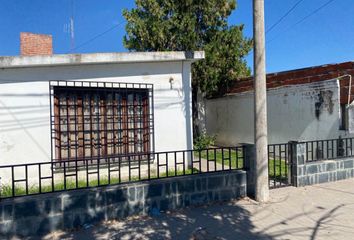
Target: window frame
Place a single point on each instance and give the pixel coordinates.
(101, 88)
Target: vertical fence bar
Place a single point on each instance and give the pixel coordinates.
(166, 164)
(184, 163)
(40, 178)
(52, 172)
(87, 173)
(98, 170)
(207, 160)
(139, 166)
(26, 178)
(129, 163)
(13, 180)
(148, 163)
(176, 163)
(109, 170)
(280, 163)
(237, 157)
(158, 165)
(200, 161)
(327, 149)
(223, 160)
(274, 166)
(230, 158)
(64, 175)
(215, 165)
(322, 149)
(76, 174)
(119, 168)
(287, 164)
(269, 166)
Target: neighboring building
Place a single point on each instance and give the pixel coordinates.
(303, 104)
(75, 106)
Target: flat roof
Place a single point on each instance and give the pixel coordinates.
(97, 58)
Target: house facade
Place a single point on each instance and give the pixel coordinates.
(304, 104)
(87, 106)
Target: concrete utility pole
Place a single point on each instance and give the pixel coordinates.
(260, 105)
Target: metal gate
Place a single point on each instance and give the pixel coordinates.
(279, 165)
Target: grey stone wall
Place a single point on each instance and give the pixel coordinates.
(40, 214)
(310, 173)
(324, 171)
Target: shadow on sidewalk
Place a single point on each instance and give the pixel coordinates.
(218, 221)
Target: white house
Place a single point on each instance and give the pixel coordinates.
(74, 106)
(303, 105)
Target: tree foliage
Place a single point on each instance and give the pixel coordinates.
(190, 25)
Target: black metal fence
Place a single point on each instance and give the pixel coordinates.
(45, 177)
(280, 162)
(278, 165)
(328, 149)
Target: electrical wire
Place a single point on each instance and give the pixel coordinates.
(284, 16)
(302, 19)
(97, 36)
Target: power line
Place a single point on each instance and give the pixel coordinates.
(303, 19)
(284, 16)
(97, 36)
(314, 12)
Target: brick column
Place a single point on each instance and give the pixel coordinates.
(249, 160)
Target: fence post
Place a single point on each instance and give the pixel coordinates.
(249, 161)
(297, 153)
(340, 147)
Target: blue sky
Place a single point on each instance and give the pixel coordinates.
(325, 37)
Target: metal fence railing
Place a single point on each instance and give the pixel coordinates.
(328, 149)
(278, 165)
(280, 162)
(45, 177)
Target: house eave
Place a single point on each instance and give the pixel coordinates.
(97, 58)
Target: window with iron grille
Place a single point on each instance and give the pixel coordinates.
(94, 119)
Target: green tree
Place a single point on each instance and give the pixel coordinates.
(190, 25)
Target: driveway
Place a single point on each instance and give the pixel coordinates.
(323, 211)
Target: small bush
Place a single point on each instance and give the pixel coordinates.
(204, 141)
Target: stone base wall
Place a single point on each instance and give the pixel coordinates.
(324, 171)
(309, 173)
(41, 214)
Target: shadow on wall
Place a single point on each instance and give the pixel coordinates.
(26, 124)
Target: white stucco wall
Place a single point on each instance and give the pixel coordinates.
(291, 114)
(24, 104)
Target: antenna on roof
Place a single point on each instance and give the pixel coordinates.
(72, 30)
(69, 27)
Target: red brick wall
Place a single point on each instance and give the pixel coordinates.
(303, 76)
(35, 44)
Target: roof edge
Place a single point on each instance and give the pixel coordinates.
(98, 58)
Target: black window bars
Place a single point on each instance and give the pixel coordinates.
(100, 119)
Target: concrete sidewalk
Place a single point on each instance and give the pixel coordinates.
(317, 212)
